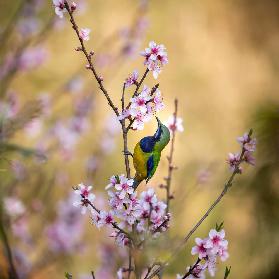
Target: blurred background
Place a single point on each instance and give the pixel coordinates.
(57, 130)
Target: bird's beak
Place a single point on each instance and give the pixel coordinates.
(158, 121)
(159, 129)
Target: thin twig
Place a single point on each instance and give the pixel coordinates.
(227, 185)
(93, 275)
(89, 60)
(125, 145)
(191, 269)
(170, 158)
(140, 82)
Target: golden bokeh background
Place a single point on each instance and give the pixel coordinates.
(223, 68)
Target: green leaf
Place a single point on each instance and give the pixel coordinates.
(219, 227)
(227, 272)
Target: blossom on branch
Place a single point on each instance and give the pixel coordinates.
(248, 146)
(59, 7)
(155, 58)
(132, 79)
(175, 124)
(85, 197)
(142, 107)
(209, 250)
(84, 34)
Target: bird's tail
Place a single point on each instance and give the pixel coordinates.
(137, 181)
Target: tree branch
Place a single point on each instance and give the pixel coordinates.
(89, 60)
(170, 159)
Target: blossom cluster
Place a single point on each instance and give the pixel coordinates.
(142, 107)
(155, 58)
(248, 146)
(209, 250)
(143, 214)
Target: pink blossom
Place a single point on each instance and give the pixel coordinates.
(85, 197)
(59, 7)
(155, 58)
(115, 202)
(119, 273)
(148, 198)
(113, 181)
(158, 101)
(209, 249)
(139, 121)
(216, 240)
(138, 103)
(233, 160)
(211, 265)
(106, 218)
(175, 125)
(244, 139)
(200, 248)
(125, 113)
(249, 158)
(159, 207)
(132, 79)
(124, 186)
(223, 253)
(247, 142)
(84, 34)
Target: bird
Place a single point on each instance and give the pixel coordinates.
(147, 153)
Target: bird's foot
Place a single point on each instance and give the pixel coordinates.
(127, 153)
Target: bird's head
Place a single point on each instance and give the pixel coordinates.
(162, 135)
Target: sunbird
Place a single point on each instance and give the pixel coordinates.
(147, 153)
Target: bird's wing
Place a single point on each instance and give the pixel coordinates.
(140, 159)
(152, 164)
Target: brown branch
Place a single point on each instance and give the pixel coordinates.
(93, 275)
(170, 159)
(191, 269)
(140, 82)
(89, 59)
(227, 185)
